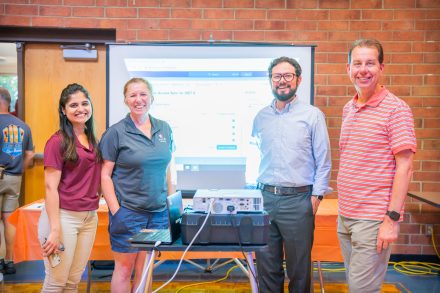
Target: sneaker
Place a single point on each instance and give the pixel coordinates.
(2, 265)
(9, 268)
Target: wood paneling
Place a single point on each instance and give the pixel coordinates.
(46, 74)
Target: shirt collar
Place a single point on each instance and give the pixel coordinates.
(374, 101)
(286, 109)
(130, 127)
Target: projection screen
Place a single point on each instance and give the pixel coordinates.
(209, 94)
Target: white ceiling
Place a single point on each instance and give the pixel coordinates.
(8, 58)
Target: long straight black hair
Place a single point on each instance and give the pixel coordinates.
(66, 129)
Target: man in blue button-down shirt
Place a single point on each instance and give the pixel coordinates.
(294, 173)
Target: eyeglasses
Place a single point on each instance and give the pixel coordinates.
(286, 76)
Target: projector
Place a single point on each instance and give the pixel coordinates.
(228, 201)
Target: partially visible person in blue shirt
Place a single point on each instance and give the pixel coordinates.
(293, 175)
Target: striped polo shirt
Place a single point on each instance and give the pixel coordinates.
(371, 134)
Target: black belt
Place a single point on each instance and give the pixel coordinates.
(279, 190)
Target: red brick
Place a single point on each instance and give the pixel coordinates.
(427, 4)
(118, 12)
(427, 154)
(88, 11)
(126, 36)
(43, 2)
(145, 24)
(154, 12)
(334, 122)
(301, 25)
(311, 36)
(332, 111)
(400, 25)
(313, 15)
(431, 58)
(238, 24)
(432, 36)
(398, 69)
(407, 79)
(250, 14)
(283, 14)
(345, 14)
(418, 123)
(420, 239)
(431, 166)
(390, 47)
(185, 35)
(332, 25)
(79, 2)
(206, 24)
(406, 14)
(137, 3)
(48, 21)
(206, 3)
(339, 79)
(331, 46)
(320, 101)
(175, 23)
(426, 112)
(340, 58)
(431, 13)
(321, 58)
(369, 4)
(238, 3)
(270, 25)
(330, 69)
(386, 15)
(406, 58)
(186, 13)
(411, 207)
(428, 250)
(426, 91)
(222, 35)
(365, 25)
(379, 35)
(331, 91)
(413, 102)
(218, 13)
(405, 249)
(81, 22)
(269, 3)
(414, 186)
(280, 36)
(402, 239)
(426, 47)
(331, 4)
(408, 36)
(175, 3)
(301, 4)
(431, 102)
(15, 20)
(426, 176)
(431, 144)
(337, 101)
(431, 187)
(388, 4)
(153, 35)
(55, 11)
(248, 35)
(410, 228)
(12, 9)
(431, 79)
(427, 24)
(119, 24)
(343, 36)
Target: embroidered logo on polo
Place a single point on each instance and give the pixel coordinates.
(13, 140)
(161, 138)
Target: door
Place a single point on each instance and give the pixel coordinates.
(46, 73)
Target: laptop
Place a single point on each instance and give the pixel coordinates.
(165, 236)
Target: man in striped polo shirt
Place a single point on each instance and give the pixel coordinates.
(377, 146)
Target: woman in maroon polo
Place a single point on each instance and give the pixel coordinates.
(72, 165)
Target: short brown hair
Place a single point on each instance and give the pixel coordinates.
(5, 95)
(367, 43)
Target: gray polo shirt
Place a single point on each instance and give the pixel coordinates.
(139, 175)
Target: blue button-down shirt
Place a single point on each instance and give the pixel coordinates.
(294, 146)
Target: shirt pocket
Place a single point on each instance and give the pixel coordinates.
(297, 137)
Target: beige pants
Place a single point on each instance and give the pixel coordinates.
(9, 192)
(78, 231)
(365, 268)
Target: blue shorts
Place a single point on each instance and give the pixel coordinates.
(126, 223)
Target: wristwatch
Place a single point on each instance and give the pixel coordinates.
(395, 216)
(320, 197)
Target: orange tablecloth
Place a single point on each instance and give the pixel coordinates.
(27, 247)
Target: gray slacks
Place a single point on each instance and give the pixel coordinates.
(292, 227)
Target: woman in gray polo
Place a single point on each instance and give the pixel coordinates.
(135, 179)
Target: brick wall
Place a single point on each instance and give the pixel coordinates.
(408, 29)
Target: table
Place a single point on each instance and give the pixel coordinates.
(27, 246)
(432, 198)
(146, 284)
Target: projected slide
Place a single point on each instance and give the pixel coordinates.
(209, 95)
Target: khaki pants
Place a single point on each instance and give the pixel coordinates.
(78, 231)
(365, 268)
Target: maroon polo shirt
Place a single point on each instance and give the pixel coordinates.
(79, 183)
